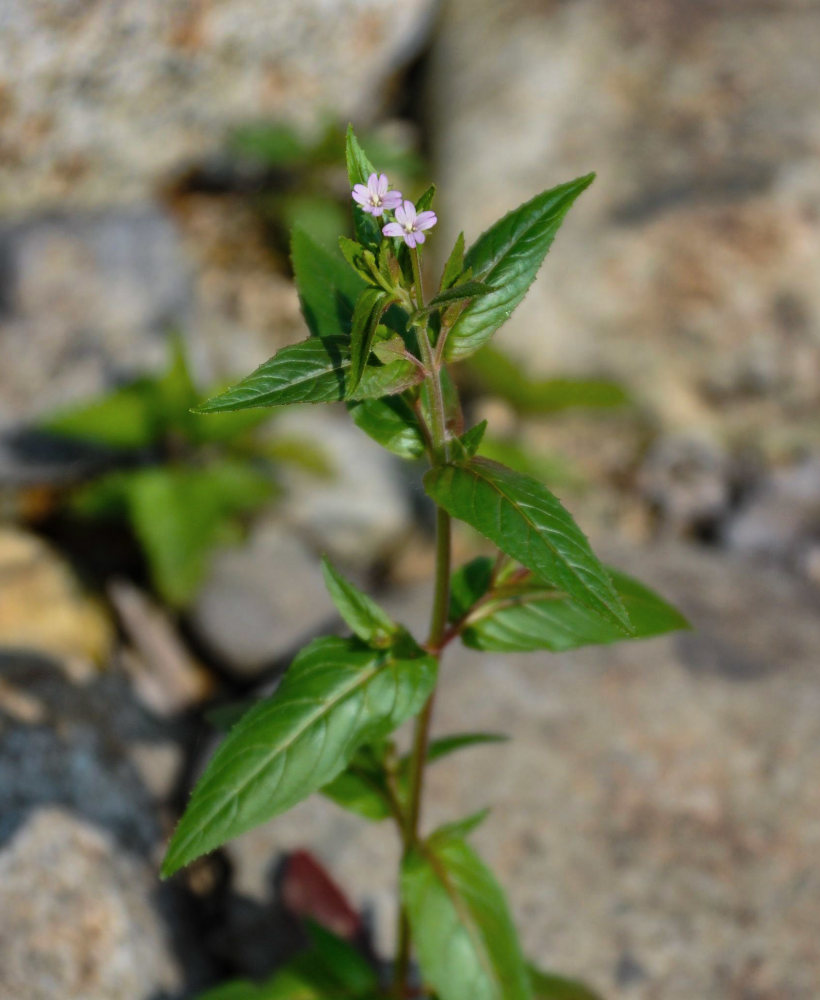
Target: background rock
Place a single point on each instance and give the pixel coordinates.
(99, 103)
(78, 917)
(85, 301)
(261, 599)
(688, 270)
(43, 607)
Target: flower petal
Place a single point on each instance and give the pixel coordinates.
(392, 200)
(420, 237)
(409, 211)
(361, 194)
(373, 184)
(410, 239)
(392, 229)
(426, 220)
(382, 185)
(401, 215)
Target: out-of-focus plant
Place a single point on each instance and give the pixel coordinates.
(181, 483)
(383, 346)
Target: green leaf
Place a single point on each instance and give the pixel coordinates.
(462, 828)
(425, 200)
(468, 584)
(313, 371)
(529, 618)
(328, 289)
(497, 374)
(458, 293)
(527, 522)
(465, 940)
(359, 258)
(359, 168)
(369, 308)
(180, 513)
(336, 696)
(342, 965)
(446, 745)
(122, 419)
(463, 448)
(508, 256)
(455, 264)
(547, 986)
(392, 423)
(362, 614)
(359, 792)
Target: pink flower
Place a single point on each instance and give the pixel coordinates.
(409, 225)
(374, 197)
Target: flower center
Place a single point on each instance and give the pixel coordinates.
(375, 200)
(408, 227)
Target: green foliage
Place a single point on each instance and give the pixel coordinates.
(362, 614)
(313, 371)
(187, 482)
(375, 786)
(527, 522)
(522, 614)
(337, 695)
(369, 309)
(359, 168)
(465, 940)
(328, 287)
(376, 346)
(180, 513)
(392, 423)
(508, 256)
(498, 375)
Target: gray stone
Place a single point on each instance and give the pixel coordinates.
(781, 522)
(655, 816)
(359, 514)
(71, 746)
(99, 104)
(261, 599)
(87, 300)
(77, 917)
(688, 270)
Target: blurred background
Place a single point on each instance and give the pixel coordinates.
(657, 814)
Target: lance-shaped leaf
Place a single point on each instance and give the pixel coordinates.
(458, 293)
(362, 614)
(392, 423)
(464, 447)
(328, 288)
(529, 618)
(359, 168)
(336, 696)
(455, 264)
(369, 308)
(465, 940)
(313, 371)
(508, 256)
(529, 523)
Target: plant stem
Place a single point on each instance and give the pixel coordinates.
(435, 641)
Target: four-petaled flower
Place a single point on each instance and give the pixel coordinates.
(409, 225)
(374, 197)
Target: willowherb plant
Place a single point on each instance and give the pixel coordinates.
(380, 345)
